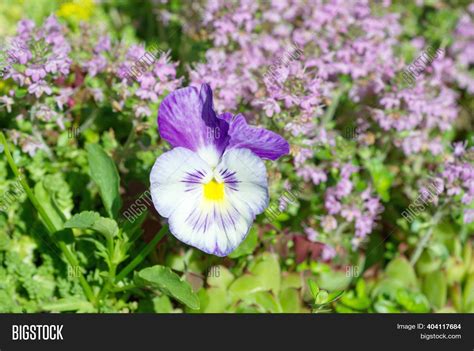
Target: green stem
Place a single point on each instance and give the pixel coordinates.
(72, 260)
(334, 104)
(128, 142)
(112, 271)
(143, 254)
(425, 239)
(108, 284)
(124, 288)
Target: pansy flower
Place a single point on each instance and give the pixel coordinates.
(213, 183)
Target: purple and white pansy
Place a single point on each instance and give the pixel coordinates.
(213, 183)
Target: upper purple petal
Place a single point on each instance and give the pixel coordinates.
(186, 118)
(264, 143)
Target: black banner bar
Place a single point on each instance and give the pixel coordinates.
(339, 332)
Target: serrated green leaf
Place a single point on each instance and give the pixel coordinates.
(106, 226)
(83, 220)
(92, 220)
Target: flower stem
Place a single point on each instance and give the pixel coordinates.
(334, 104)
(425, 239)
(108, 284)
(124, 288)
(112, 271)
(131, 137)
(71, 259)
(143, 254)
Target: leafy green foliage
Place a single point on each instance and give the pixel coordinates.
(105, 175)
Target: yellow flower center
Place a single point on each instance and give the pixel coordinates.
(214, 191)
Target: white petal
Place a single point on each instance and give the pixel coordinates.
(167, 176)
(215, 227)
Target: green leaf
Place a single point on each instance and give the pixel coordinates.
(60, 193)
(333, 280)
(106, 226)
(105, 175)
(361, 288)
(290, 301)
(84, 220)
(375, 251)
(313, 288)
(92, 220)
(45, 200)
(357, 303)
(169, 284)
(4, 241)
(223, 280)
(455, 270)
(291, 280)
(468, 295)
(245, 285)
(385, 306)
(435, 288)
(268, 302)
(162, 304)
(428, 263)
(335, 295)
(322, 297)
(215, 301)
(381, 177)
(247, 246)
(412, 301)
(401, 270)
(386, 287)
(343, 309)
(267, 271)
(455, 295)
